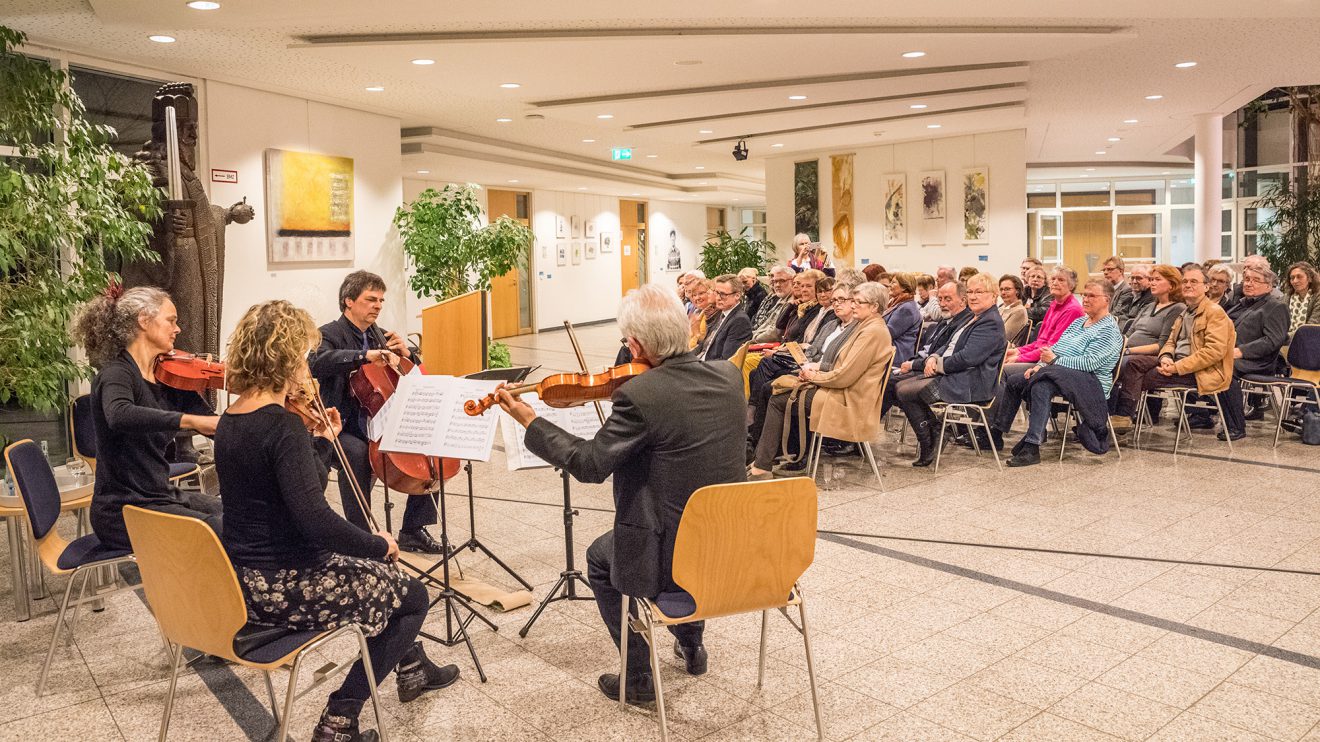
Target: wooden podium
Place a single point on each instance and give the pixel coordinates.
(454, 334)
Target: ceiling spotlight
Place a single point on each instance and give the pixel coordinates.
(604, 116)
(161, 38)
(777, 145)
(513, 181)
(1114, 139)
(582, 188)
(913, 55)
(1101, 152)
(704, 182)
(933, 126)
(705, 131)
(797, 97)
(652, 157)
(503, 120)
(1185, 65)
(740, 150)
(423, 172)
(699, 167)
(203, 5)
(1154, 97)
(917, 106)
(1166, 172)
(510, 85)
(1129, 121)
(588, 141)
(375, 88)
(423, 62)
(1090, 170)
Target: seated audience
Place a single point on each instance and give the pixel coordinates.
(1113, 269)
(1148, 331)
(960, 366)
(730, 328)
(781, 289)
(1256, 261)
(1220, 278)
(850, 276)
(1080, 365)
(779, 361)
(753, 291)
(1037, 297)
(702, 296)
(944, 274)
(930, 307)
(1062, 311)
(1303, 295)
(902, 316)
(1141, 296)
(819, 259)
(966, 273)
(1025, 268)
(874, 271)
(1198, 353)
(1011, 309)
(842, 392)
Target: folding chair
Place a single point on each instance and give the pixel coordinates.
(818, 440)
(740, 548)
(1303, 375)
(960, 413)
(1180, 396)
(1069, 413)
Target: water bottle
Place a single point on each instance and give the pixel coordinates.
(45, 450)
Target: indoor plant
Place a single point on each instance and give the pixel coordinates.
(725, 253)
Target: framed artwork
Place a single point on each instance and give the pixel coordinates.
(607, 240)
(561, 226)
(976, 189)
(309, 207)
(590, 229)
(590, 247)
(561, 253)
(895, 190)
(575, 225)
(842, 231)
(932, 194)
(577, 252)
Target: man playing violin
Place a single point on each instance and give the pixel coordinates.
(347, 344)
(136, 418)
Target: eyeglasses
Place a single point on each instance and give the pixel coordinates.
(725, 294)
(780, 280)
(1112, 269)
(844, 300)
(1094, 296)
(1252, 279)
(981, 292)
(859, 301)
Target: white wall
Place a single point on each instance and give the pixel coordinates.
(241, 124)
(930, 243)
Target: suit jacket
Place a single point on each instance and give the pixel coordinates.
(673, 430)
(732, 332)
(972, 370)
(752, 299)
(1121, 305)
(847, 403)
(1262, 328)
(1213, 340)
(940, 335)
(340, 354)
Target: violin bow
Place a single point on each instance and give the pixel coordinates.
(582, 361)
(319, 407)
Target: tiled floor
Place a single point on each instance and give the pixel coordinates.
(913, 640)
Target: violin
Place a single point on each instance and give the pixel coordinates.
(189, 372)
(567, 390)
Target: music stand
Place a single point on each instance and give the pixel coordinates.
(565, 588)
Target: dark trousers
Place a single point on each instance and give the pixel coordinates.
(419, 510)
(914, 394)
(772, 429)
(1131, 382)
(1011, 394)
(610, 603)
(108, 522)
(386, 649)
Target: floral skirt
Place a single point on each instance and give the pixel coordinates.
(343, 590)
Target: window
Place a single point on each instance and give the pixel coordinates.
(1042, 196)
(118, 101)
(1139, 193)
(1085, 194)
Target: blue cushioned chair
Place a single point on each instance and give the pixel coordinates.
(80, 559)
(83, 432)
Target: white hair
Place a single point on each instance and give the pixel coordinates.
(780, 269)
(653, 317)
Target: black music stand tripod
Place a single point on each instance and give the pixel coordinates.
(473, 543)
(565, 588)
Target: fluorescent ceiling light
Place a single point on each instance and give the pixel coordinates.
(503, 120)
(917, 106)
(1130, 121)
(423, 172)
(777, 145)
(652, 157)
(161, 38)
(797, 97)
(705, 131)
(933, 126)
(588, 141)
(1115, 139)
(375, 88)
(510, 85)
(1154, 97)
(1101, 152)
(423, 62)
(701, 167)
(1185, 65)
(513, 181)
(913, 55)
(203, 5)
(604, 116)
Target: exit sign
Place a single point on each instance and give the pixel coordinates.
(621, 153)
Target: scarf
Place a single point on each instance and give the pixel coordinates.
(804, 306)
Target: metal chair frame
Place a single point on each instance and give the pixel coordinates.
(1070, 412)
(960, 413)
(818, 440)
(1178, 395)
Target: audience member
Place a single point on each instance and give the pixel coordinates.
(930, 308)
(966, 273)
(944, 274)
(873, 272)
(1062, 311)
(1141, 296)
(902, 316)
(730, 327)
(1011, 309)
(1119, 306)
(801, 253)
(1037, 298)
(1026, 266)
(1219, 279)
(1261, 325)
(781, 289)
(753, 291)
(1301, 292)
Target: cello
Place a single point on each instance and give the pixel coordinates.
(410, 473)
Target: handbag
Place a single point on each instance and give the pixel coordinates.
(1311, 428)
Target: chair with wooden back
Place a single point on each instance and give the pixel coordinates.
(740, 548)
(1302, 381)
(195, 596)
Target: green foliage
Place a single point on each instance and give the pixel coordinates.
(67, 201)
(450, 252)
(497, 355)
(806, 199)
(725, 253)
(1292, 232)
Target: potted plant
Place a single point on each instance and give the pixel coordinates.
(726, 253)
(68, 201)
(452, 253)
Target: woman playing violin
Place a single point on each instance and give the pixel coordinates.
(299, 563)
(135, 417)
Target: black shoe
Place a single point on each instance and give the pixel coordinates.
(341, 729)
(1254, 413)
(1235, 436)
(1025, 454)
(419, 541)
(693, 657)
(839, 449)
(997, 438)
(925, 443)
(417, 674)
(641, 689)
(1197, 422)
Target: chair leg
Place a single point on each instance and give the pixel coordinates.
(1279, 411)
(176, 661)
(624, 630)
(760, 668)
(813, 458)
(1223, 425)
(55, 635)
(655, 678)
(985, 421)
(870, 457)
(270, 693)
(1067, 425)
(1141, 417)
(371, 685)
(1113, 435)
(939, 441)
(291, 695)
(811, 666)
(1182, 421)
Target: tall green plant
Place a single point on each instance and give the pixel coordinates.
(726, 253)
(67, 200)
(1292, 232)
(450, 251)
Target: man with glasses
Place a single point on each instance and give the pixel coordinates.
(1121, 304)
(730, 328)
(781, 288)
(1220, 279)
(1141, 296)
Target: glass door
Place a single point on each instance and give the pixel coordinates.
(1138, 237)
(1049, 237)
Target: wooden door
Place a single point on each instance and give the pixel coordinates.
(510, 299)
(632, 244)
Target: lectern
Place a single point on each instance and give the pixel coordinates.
(454, 335)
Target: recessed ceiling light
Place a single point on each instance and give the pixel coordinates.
(735, 200)
(161, 38)
(1185, 65)
(510, 85)
(1129, 121)
(588, 141)
(423, 62)
(503, 120)
(652, 157)
(1090, 170)
(705, 131)
(917, 106)
(704, 182)
(797, 97)
(1101, 152)
(423, 172)
(1114, 139)
(777, 145)
(1154, 97)
(687, 62)
(634, 194)
(582, 188)
(604, 115)
(375, 88)
(203, 5)
(700, 167)
(913, 55)
(1166, 172)
(515, 180)
(933, 126)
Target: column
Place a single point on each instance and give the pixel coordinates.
(1209, 175)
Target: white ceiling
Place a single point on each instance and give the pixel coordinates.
(1068, 72)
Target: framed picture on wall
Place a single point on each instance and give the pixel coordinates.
(590, 229)
(561, 226)
(590, 247)
(561, 253)
(577, 252)
(896, 210)
(932, 194)
(309, 207)
(607, 240)
(575, 224)
(975, 195)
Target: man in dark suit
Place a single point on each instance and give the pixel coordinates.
(753, 291)
(673, 430)
(347, 344)
(952, 297)
(1121, 305)
(731, 327)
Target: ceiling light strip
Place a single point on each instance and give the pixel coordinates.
(861, 122)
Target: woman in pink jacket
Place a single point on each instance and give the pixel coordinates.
(1063, 310)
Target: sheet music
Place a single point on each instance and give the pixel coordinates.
(429, 418)
(580, 421)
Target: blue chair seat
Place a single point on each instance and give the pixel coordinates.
(676, 604)
(264, 644)
(182, 470)
(86, 550)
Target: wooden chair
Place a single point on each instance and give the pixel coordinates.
(959, 413)
(194, 594)
(737, 359)
(80, 558)
(818, 441)
(1069, 412)
(83, 434)
(740, 548)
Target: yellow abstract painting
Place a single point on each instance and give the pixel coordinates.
(309, 207)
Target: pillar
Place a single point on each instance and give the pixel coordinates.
(1209, 167)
